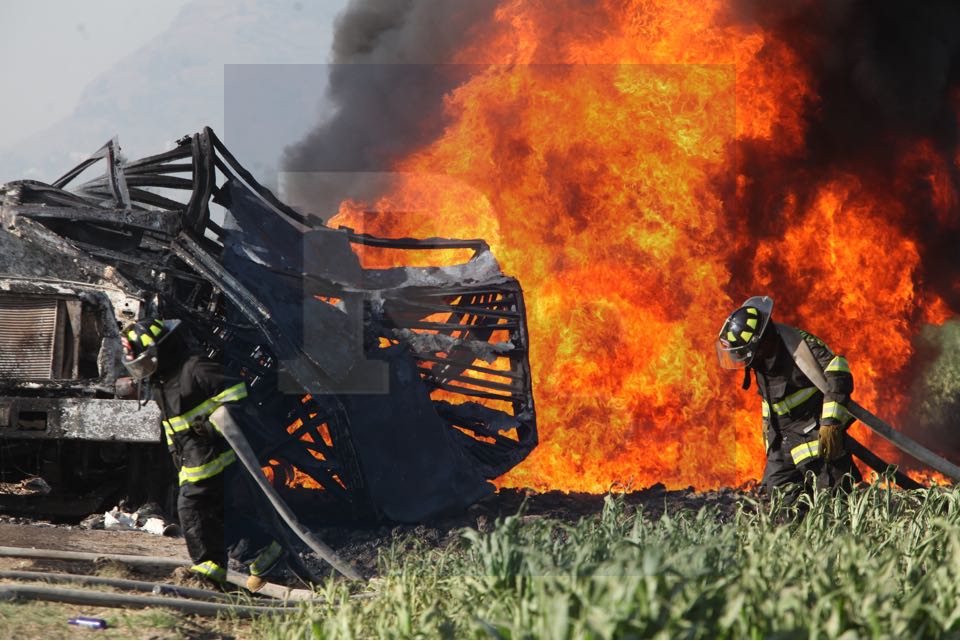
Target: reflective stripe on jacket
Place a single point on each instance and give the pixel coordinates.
(203, 410)
(197, 389)
(791, 403)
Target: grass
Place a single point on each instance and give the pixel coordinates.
(875, 563)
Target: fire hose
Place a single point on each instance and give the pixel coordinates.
(132, 585)
(905, 443)
(236, 578)
(225, 423)
(10, 591)
(808, 364)
(877, 464)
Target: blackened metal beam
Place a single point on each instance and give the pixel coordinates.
(162, 222)
(476, 244)
(471, 392)
(467, 365)
(432, 308)
(443, 377)
(389, 322)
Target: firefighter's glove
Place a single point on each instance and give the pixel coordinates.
(831, 441)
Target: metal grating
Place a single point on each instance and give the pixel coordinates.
(27, 335)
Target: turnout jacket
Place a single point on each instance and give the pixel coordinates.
(792, 405)
(189, 396)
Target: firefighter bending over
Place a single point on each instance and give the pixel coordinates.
(803, 428)
(214, 502)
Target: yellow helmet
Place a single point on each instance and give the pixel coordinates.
(140, 341)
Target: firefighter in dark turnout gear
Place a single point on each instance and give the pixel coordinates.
(188, 388)
(803, 428)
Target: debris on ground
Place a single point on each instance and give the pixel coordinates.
(33, 485)
(148, 518)
(361, 544)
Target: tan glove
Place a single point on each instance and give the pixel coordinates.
(254, 583)
(831, 441)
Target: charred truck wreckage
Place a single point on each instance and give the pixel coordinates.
(394, 393)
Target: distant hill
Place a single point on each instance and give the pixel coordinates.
(174, 85)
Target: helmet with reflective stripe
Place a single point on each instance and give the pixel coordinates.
(740, 336)
(140, 341)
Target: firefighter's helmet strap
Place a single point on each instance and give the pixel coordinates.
(746, 378)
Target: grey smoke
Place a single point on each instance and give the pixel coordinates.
(387, 85)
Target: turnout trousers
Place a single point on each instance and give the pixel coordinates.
(794, 457)
(217, 522)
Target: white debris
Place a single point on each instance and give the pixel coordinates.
(153, 525)
(117, 519)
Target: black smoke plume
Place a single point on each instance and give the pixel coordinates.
(887, 76)
(389, 75)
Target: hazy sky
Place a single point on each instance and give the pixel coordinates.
(77, 73)
(50, 49)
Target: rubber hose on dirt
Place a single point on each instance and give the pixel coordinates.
(236, 578)
(132, 585)
(13, 592)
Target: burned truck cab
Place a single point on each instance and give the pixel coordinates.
(394, 393)
(63, 412)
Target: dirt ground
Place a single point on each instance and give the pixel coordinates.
(358, 544)
(39, 620)
(23, 533)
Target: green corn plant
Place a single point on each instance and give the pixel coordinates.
(874, 562)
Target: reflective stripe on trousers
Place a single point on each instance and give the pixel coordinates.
(210, 570)
(266, 560)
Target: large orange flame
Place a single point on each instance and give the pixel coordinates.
(593, 153)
